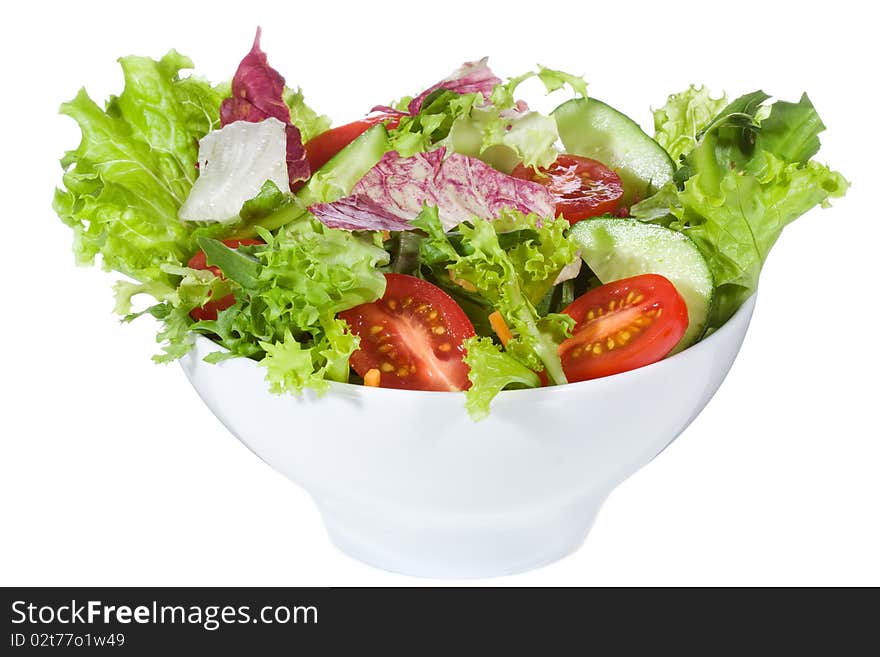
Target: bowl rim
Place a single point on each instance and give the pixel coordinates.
(348, 389)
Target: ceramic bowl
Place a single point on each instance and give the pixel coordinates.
(406, 481)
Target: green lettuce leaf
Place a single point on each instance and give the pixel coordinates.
(684, 116)
(499, 132)
(288, 294)
(418, 133)
(291, 367)
(267, 202)
(310, 123)
(791, 131)
(123, 185)
(504, 140)
(491, 371)
(504, 95)
(196, 287)
(736, 224)
(747, 178)
(543, 253)
(504, 280)
(502, 134)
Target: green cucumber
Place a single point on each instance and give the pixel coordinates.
(337, 178)
(620, 248)
(590, 128)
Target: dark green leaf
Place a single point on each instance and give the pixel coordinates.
(235, 265)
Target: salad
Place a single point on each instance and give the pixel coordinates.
(453, 240)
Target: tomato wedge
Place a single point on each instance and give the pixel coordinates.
(320, 149)
(412, 336)
(200, 261)
(623, 325)
(581, 187)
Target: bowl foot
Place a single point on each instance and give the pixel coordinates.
(465, 547)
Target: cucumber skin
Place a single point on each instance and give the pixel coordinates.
(340, 174)
(579, 135)
(590, 231)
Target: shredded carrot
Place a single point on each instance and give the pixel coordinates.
(465, 284)
(371, 378)
(386, 235)
(500, 327)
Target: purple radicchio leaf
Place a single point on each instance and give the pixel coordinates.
(358, 212)
(461, 187)
(257, 94)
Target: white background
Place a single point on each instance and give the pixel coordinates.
(113, 472)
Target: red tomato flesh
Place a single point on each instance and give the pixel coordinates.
(320, 149)
(200, 261)
(413, 336)
(581, 187)
(623, 325)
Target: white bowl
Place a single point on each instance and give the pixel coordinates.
(406, 481)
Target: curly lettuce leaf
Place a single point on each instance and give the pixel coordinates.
(491, 371)
(504, 95)
(469, 78)
(736, 224)
(501, 279)
(195, 289)
(502, 132)
(310, 123)
(541, 257)
(684, 116)
(287, 297)
(492, 271)
(291, 366)
(135, 165)
(504, 139)
(748, 177)
(417, 133)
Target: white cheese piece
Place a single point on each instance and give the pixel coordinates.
(234, 163)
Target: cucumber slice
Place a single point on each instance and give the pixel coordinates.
(620, 248)
(590, 128)
(338, 176)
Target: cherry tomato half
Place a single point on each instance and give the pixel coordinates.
(623, 325)
(320, 149)
(200, 261)
(412, 335)
(581, 187)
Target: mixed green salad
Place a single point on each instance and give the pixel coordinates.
(452, 240)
